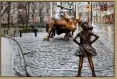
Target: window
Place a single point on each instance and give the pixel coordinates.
(93, 5)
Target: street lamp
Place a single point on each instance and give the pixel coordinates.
(88, 10)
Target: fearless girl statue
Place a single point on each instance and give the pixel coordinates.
(85, 47)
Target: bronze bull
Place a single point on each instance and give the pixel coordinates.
(61, 25)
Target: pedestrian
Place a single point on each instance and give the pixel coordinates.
(35, 31)
(14, 33)
(85, 47)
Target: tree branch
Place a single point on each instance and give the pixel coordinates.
(4, 11)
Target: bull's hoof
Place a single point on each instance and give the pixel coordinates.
(70, 35)
(51, 37)
(46, 39)
(67, 39)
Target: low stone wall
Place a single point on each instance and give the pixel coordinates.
(11, 31)
(15, 31)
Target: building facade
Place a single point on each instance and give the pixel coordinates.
(102, 14)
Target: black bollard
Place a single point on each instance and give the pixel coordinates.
(20, 33)
(7, 32)
(35, 31)
(4, 31)
(14, 33)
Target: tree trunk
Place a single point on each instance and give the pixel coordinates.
(28, 13)
(9, 3)
(0, 18)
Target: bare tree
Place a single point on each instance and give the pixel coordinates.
(0, 16)
(39, 7)
(47, 6)
(22, 11)
(27, 15)
(4, 8)
(42, 8)
(8, 9)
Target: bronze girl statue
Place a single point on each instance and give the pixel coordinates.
(85, 47)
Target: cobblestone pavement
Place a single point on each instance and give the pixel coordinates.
(56, 57)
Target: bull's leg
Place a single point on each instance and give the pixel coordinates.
(51, 35)
(51, 26)
(70, 34)
(53, 32)
(66, 37)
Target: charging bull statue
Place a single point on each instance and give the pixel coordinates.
(61, 23)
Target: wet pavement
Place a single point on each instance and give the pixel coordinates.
(56, 57)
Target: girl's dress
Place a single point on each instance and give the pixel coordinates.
(85, 49)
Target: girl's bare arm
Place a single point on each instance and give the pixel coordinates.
(96, 37)
(76, 40)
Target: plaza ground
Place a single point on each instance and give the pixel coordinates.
(56, 57)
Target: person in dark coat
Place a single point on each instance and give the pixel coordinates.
(85, 46)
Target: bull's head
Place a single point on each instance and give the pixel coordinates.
(73, 28)
(72, 23)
